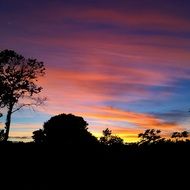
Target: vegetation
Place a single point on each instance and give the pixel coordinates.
(180, 135)
(150, 136)
(65, 140)
(18, 78)
(64, 129)
(109, 140)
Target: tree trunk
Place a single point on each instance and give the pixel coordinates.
(8, 122)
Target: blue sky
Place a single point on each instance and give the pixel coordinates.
(119, 64)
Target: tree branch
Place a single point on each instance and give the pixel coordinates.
(21, 106)
(38, 102)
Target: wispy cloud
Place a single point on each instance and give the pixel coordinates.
(103, 54)
(138, 119)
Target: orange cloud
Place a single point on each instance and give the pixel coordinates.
(126, 124)
(135, 123)
(98, 79)
(138, 119)
(68, 89)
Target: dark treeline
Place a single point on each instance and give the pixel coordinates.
(58, 163)
(65, 137)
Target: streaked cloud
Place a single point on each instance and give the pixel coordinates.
(104, 59)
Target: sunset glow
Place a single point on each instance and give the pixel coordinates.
(122, 65)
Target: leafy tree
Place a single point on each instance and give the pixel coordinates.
(150, 136)
(180, 135)
(115, 140)
(65, 129)
(18, 78)
(39, 136)
(184, 134)
(109, 139)
(106, 136)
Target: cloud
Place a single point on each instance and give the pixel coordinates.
(136, 119)
(174, 115)
(103, 54)
(20, 138)
(146, 19)
(98, 79)
(126, 124)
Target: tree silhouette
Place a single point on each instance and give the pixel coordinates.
(109, 139)
(185, 134)
(180, 135)
(149, 136)
(39, 136)
(65, 129)
(18, 77)
(2, 134)
(106, 136)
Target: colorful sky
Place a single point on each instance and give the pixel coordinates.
(121, 64)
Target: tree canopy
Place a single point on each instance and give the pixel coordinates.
(18, 80)
(180, 135)
(64, 129)
(109, 139)
(150, 136)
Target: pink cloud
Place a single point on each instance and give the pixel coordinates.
(90, 66)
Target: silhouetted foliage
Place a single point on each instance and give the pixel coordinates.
(18, 77)
(49, 162)
(115, 140)
(39, 136)
(107, 133)
(180, 135)
(2, 134)
(150, 136)
(184, 134)
(106, 136)
(109, 139)
(65, 129)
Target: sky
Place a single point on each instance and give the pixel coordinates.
(120, 64)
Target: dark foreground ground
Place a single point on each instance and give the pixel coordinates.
(32, 166)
